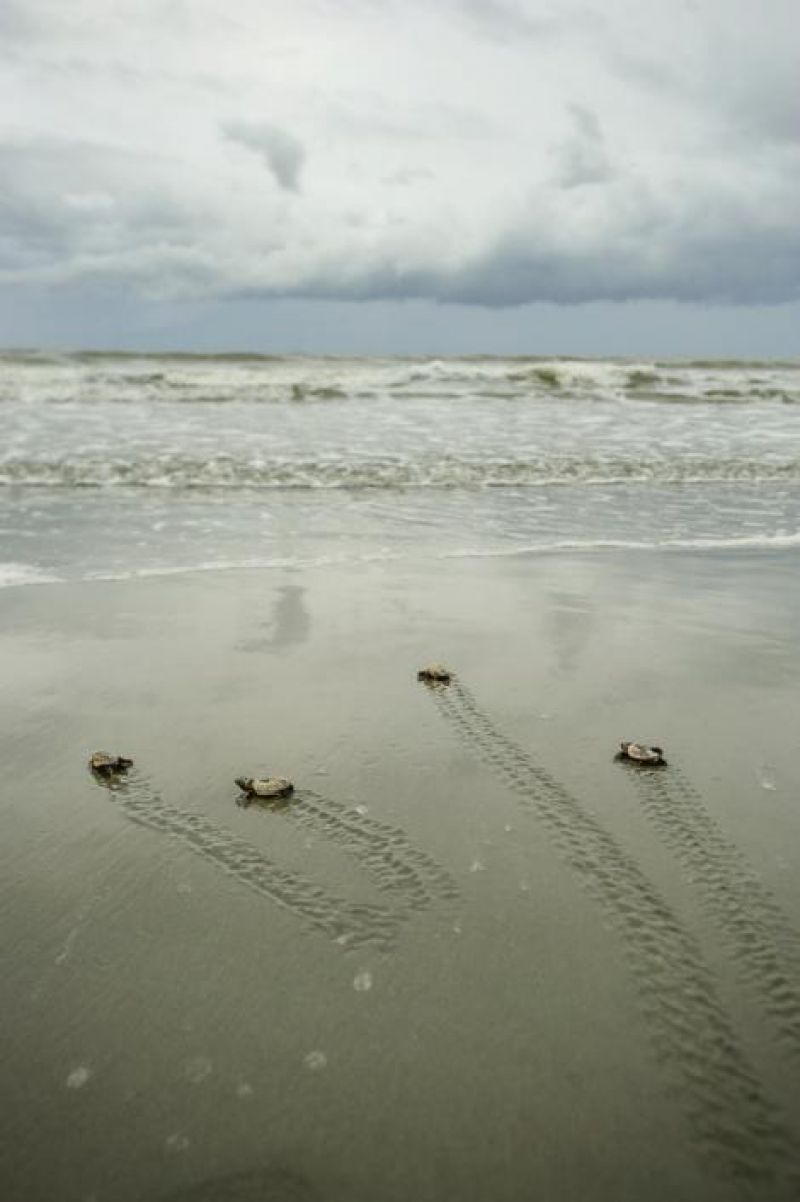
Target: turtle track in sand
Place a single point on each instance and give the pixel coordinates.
(733, 1125)
(761, 942)
(395, 865)
(413, 879)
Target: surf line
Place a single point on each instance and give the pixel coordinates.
(761, 942)
(412, 879)
(734, 1127)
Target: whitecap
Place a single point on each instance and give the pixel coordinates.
(14, 575)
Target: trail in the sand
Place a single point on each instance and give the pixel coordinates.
(763, 946)
(734, 1126)
(411, 880)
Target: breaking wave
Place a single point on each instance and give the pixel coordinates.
(13, 575)
(94, 378)
(174, 471)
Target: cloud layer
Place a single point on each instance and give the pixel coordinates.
(486, 152)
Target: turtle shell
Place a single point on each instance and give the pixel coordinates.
(107, 764)
(269, 788)
(642, 754)
(435, 674)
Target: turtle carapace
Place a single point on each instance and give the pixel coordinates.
(640, 753)
(109, 765)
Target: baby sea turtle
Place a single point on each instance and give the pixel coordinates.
(270, 788)
(639, 753)
(109, 765)
(435, 674)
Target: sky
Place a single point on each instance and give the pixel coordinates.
(401, 176)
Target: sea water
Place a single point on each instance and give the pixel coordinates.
(117, 464)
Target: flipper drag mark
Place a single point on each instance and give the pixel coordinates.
(734, 1126)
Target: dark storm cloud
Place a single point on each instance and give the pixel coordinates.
(712, 269)
(282, 153)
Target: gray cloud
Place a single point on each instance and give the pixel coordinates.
(735, 63)
(440, 176)
(505, 21)
(405, 176)
(281, 151)
(582, 158)
(367, 114)
(727, 268)
(70, 213)
(18, 23)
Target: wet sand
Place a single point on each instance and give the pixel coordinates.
(475, 958)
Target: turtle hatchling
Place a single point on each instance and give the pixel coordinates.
(270, 788)
(109, 765)
(639, 753)
(435, 674)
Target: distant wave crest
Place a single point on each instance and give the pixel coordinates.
(91, 378)
(446, 472)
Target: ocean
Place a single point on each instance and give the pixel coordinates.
(119, 464)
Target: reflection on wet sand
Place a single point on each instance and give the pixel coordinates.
(290, 622)
(570, 624)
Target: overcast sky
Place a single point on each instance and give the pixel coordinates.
(401, 175)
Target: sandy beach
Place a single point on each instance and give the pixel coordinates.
(338, 342)
(475, 957)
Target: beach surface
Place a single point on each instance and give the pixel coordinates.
(475, 957)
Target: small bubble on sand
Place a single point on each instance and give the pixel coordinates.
(362, 981)
(78, 1077)
(362, 810)
(315, 1061)
(197, 1069)
(477, 866)
(456, 928)
(177, 1142)
(244, 1090)
(508, 828)
(342, 940)
(524, 887)
(767, 778)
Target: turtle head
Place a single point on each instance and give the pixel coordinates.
(244, 782)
